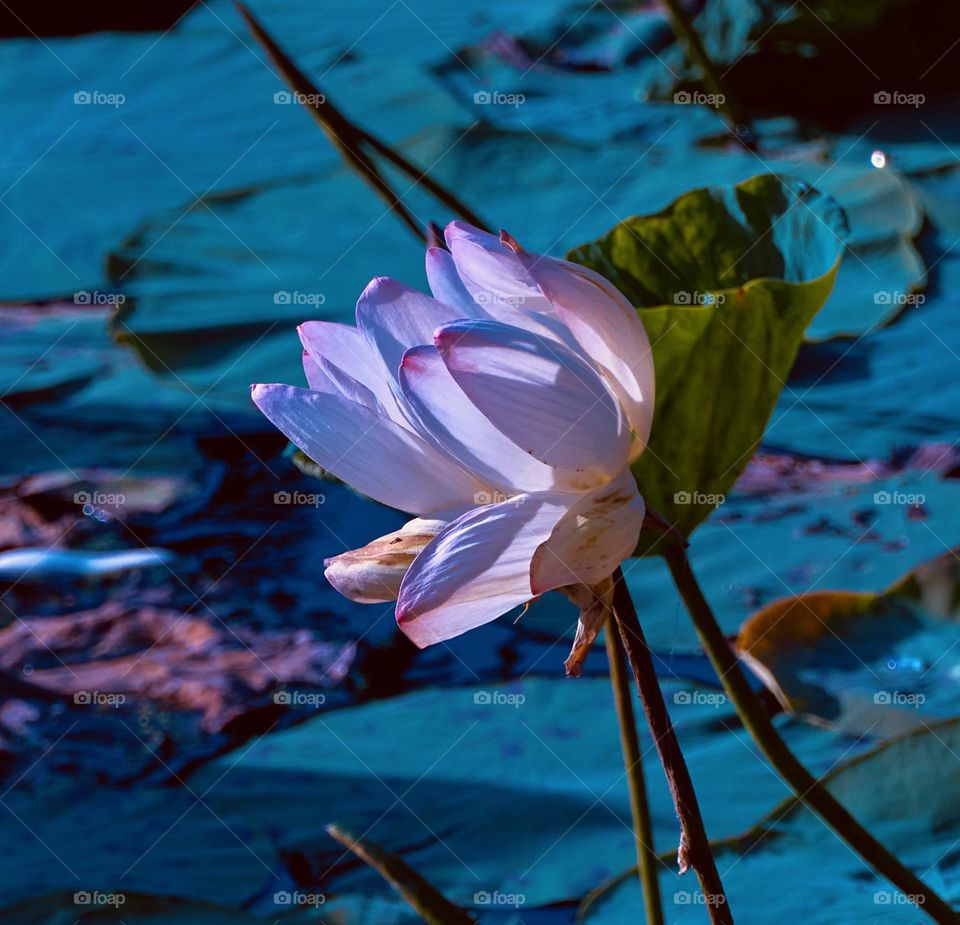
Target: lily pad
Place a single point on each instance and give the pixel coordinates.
(906, 792)
(882, 271)
(438, 776)
(726, 281)
(877, 663)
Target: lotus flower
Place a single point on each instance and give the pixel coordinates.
(503, 412)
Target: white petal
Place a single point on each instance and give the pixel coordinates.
(342, 353)
(477, 569)
(608, 328)
(446, 285)
(600, 319)
(499, 281)
(492, 272)
(545, 398)
(462, 429)
(378, 457)
(600, 530)
(394, 318)
(317, 377)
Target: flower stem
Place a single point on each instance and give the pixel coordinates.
(686, 31)
(354, 143)
(647, 860)
(807, 788)
(694, 849)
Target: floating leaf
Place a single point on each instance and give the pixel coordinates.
(883, 270)
(727, 280)
(866, 662)
(540, 759)
(905, 791)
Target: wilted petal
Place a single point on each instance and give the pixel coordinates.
(600, 530)
(596, 609)
(477, 569)
(373, 573)
(367, 450)
(462, 429)
(545, 398)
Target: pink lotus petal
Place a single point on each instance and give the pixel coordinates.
(446, 285)
(462, 429)
(393, 318)
(598, 532)
(477, 569)
(317, 377)
(491, 271)
(376, 456)
(608, 328)
(544, 397)
(343, 355)
(497, 279)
